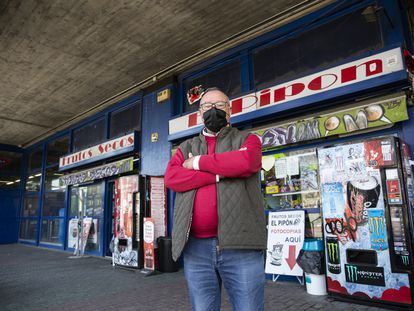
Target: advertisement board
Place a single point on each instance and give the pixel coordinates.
(286, 233)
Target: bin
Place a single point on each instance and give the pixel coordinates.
(315, 283)
(165, 261)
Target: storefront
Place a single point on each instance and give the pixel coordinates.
(339, 77)
(71, 175)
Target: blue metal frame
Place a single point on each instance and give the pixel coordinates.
(105, 114)
(392, 35)
(302, 103)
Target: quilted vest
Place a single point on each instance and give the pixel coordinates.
(241, 219)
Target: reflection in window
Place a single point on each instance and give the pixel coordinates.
(125, 121)
(56, 149)
(30, 207)
(52, 231)
(33, 182)
(52, 180)
(10, 169)
(28, 229)
(54, 204)
(35, 159)
(88, 198)
(89, 135)
(359, 32)
(227, 78)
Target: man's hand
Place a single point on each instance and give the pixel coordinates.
(188, 164)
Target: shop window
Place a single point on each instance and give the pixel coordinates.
(88, 197)
(125, 121)
(28, 229)
(52, 231)
(33, 182)
(52, 180)
(89, 135)
(320, 47)
(54, 204)
(293, 184)
(10, 169)
(31, 205)
(56, 149)
(35, 159)
(227, 78)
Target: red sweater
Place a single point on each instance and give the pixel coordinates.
(233, 164)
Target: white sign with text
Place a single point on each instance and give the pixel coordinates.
(286, 233)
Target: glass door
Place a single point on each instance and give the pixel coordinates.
(109, 223)
(290, 180)
(87, 201)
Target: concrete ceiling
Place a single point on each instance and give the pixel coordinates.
(61, 58)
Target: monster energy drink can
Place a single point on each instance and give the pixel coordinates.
(334, 261)
(378, 230)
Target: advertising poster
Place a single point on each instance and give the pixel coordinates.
(355, 224)
(86, 226)
(99, 172)
(124, 254)
(158, 206)
(149, 244)
(380, 113)
(73, 233)
(286, 232)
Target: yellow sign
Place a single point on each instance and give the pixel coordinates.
(163, 95)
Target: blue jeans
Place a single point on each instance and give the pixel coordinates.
(241, 271)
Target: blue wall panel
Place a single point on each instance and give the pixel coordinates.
(9, 216)
(155, 116)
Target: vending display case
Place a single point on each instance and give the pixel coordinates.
(366, 188)
(290, 181)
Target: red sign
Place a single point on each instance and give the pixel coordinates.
(344, 75)
(103, 150)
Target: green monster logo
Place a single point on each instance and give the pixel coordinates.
(333, 252)
(352, 273)
(405, 260)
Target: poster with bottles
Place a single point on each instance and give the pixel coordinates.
(124, 253)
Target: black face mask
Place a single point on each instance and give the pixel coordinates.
(215, 119)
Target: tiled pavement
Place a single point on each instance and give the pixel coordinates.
(39, 279)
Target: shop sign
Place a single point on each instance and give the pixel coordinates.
(344, 75)
(103, 171)
(286, 233)
(371, 115)
(102, 151)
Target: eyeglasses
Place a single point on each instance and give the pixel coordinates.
(218, 105)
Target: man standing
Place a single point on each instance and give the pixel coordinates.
(219, 223)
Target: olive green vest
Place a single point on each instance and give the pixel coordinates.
(241, 219)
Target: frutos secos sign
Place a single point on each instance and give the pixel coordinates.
(104, 150)
(334, 78)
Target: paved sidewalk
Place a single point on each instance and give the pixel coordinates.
(39, 279)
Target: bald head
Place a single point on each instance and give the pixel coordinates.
(212, 95)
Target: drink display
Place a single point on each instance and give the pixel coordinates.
(368, 250)
(334, 261)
